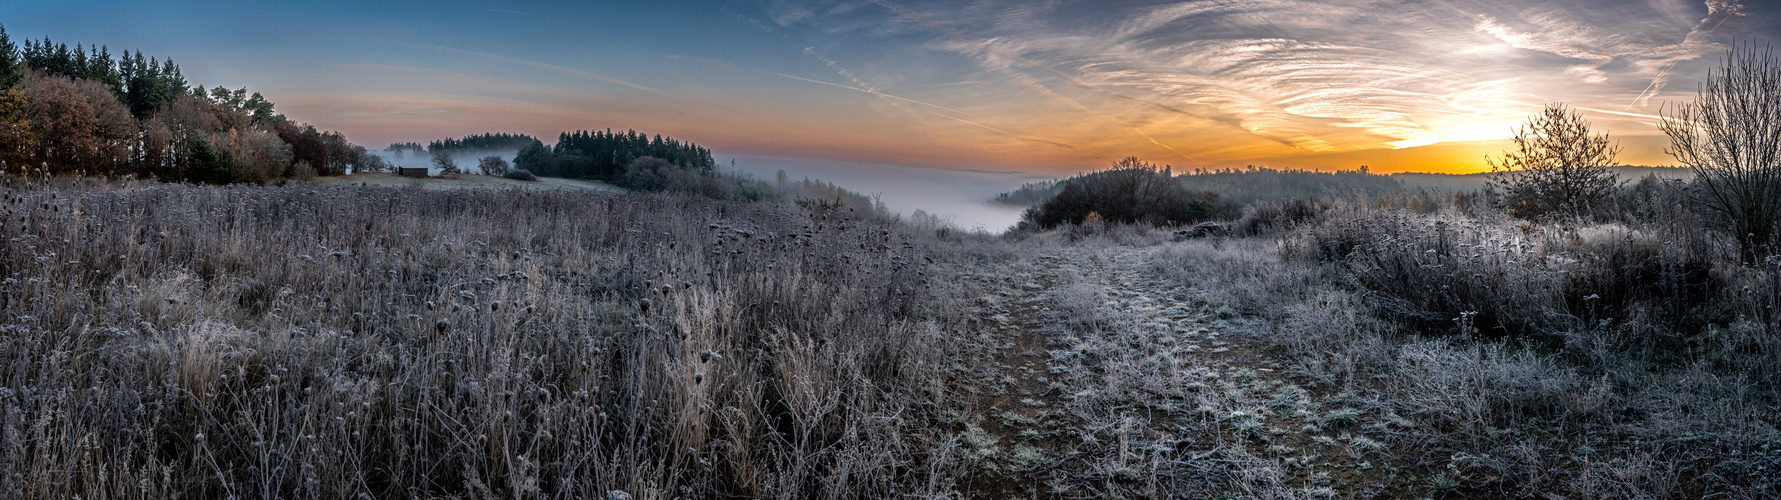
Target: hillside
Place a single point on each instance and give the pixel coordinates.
(464, 181)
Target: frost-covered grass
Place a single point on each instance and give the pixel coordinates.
(174, 341)
(1626, 361)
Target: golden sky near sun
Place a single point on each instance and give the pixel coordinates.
(1039, 87)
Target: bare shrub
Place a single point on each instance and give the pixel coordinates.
(1731, 136)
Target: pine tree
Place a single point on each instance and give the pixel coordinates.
(11, 65)
(208, 165)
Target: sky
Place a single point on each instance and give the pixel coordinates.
(966, 90)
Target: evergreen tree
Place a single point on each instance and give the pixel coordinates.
(12, 67)
(208, 164)
(536, 159)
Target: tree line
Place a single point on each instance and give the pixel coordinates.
(1253, 184)
(607, 155)
(483, 142)
(83, 111)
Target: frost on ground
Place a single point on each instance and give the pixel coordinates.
(1099, 377)
(176, 341)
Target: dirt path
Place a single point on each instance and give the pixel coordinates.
(1097, 379)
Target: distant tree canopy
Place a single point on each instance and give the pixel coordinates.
(1131, 191)
(81, 110)
(1251, 185)
(406, 147)
(484, 142)
(607, 155)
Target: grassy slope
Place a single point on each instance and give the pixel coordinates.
(464, 181)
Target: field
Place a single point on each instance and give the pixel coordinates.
(463, 181)
(343, 340)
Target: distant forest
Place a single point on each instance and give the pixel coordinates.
(1260, 184)
(83, 111)
(484, 142)
(606, 154)
(1251, 185)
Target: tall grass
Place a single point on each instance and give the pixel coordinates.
(1625, 360)
(172, 341)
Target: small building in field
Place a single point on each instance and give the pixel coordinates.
(412, 171)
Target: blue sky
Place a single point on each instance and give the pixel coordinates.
(1040, 87)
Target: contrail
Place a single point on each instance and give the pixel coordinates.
(873, 92)
(1644, 96)
(478, 9)
(998, 131)
(569, 70)
(1165, 146)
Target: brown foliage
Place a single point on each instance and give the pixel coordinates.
(17, 140)
(80, 126)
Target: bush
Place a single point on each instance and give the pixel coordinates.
(518, 174)
(1727, 135)
(1131, 192)
(1443, 274)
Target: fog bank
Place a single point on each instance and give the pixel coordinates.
(957, 195)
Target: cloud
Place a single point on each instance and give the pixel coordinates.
(1290, 77)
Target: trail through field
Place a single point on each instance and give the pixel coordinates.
(1095, 377)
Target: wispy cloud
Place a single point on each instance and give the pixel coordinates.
(1215, 79)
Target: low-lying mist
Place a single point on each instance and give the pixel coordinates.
(466, 159)
(956, 195)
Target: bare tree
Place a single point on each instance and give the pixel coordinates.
(442, 159)
(1731, 136)
(492, 165)
(1557, 168)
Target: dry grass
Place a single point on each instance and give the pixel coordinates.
(1595, 361)
(465, 181)
(171, 341)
